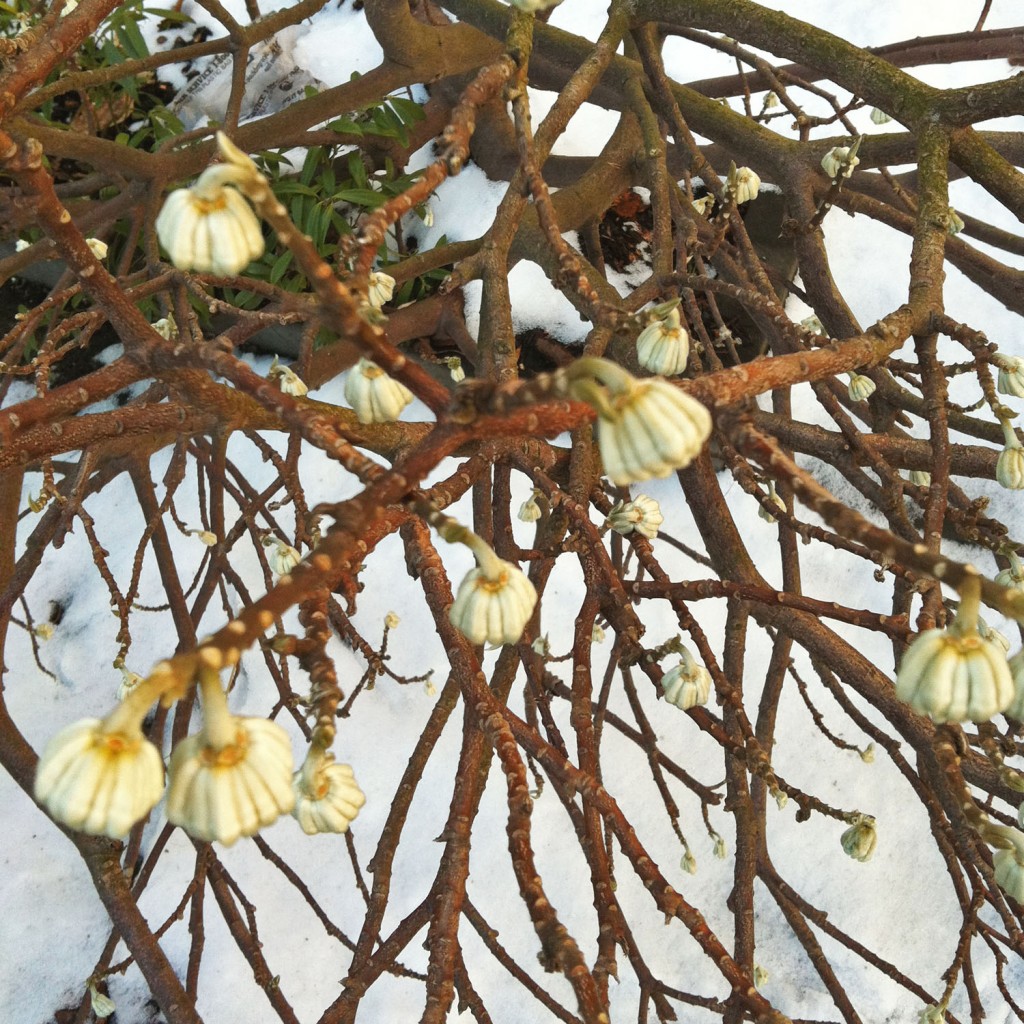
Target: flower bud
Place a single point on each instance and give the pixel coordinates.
(860, 839)
(744, 185)
(375, 397)
(381, 289)
(664, 346)
(642, 515)
(861, 387)
(1011, 375)
(839, 161)
(1010, 464)
(688, 684)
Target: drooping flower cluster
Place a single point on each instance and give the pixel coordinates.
(495, 600)
(956, 674)
(688, 684)
(327, 797)
(210, 227)
(663, 345)
(229, 780)
(645, 428)
(861, 387)
(1011, 374)
(1010, 464)
(743, 183)
(100, 777)
(375, 397)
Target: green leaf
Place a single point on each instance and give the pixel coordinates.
(361, 197)
(279, 267)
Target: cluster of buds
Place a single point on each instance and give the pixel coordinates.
(232, 778)
(861, 838)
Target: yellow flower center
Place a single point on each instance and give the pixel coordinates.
(493, 586)
(229, 756)
(207, 206)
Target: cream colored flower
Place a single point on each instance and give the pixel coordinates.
(529, 511)
(102, 1006)
(233, 777)
(761, 976)
(645, 428)
(97, 248)
(774, 498)
(839, 161)
(99, 780)
(45, 631)
(495, 600)
(532, 6)
(130, 682)
(688, 863)
(954, 674)
(1009, 872)
(770, 100)
(1014, 576)
(704, 205)
(1011, 375)
(955, 224)
(921, 478)
(375, 397)
(879, 116)
(214, 231)
(166, 327)
(391, 620)
(1010, 464)
(205, 537)
(287, 379)
(744, 185)
(861, 838)
(455, 370)
(281, 556)
(381, 290)
(210, 227)
(597, 634)
(688, 684)
(861, 388)
(664, 346)
(813, 324)
(1015, 709)
(867, 755)
(21, 245)
(327, 797)
(642, 514)
(720, 850)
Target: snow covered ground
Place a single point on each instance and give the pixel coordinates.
(899, 904)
